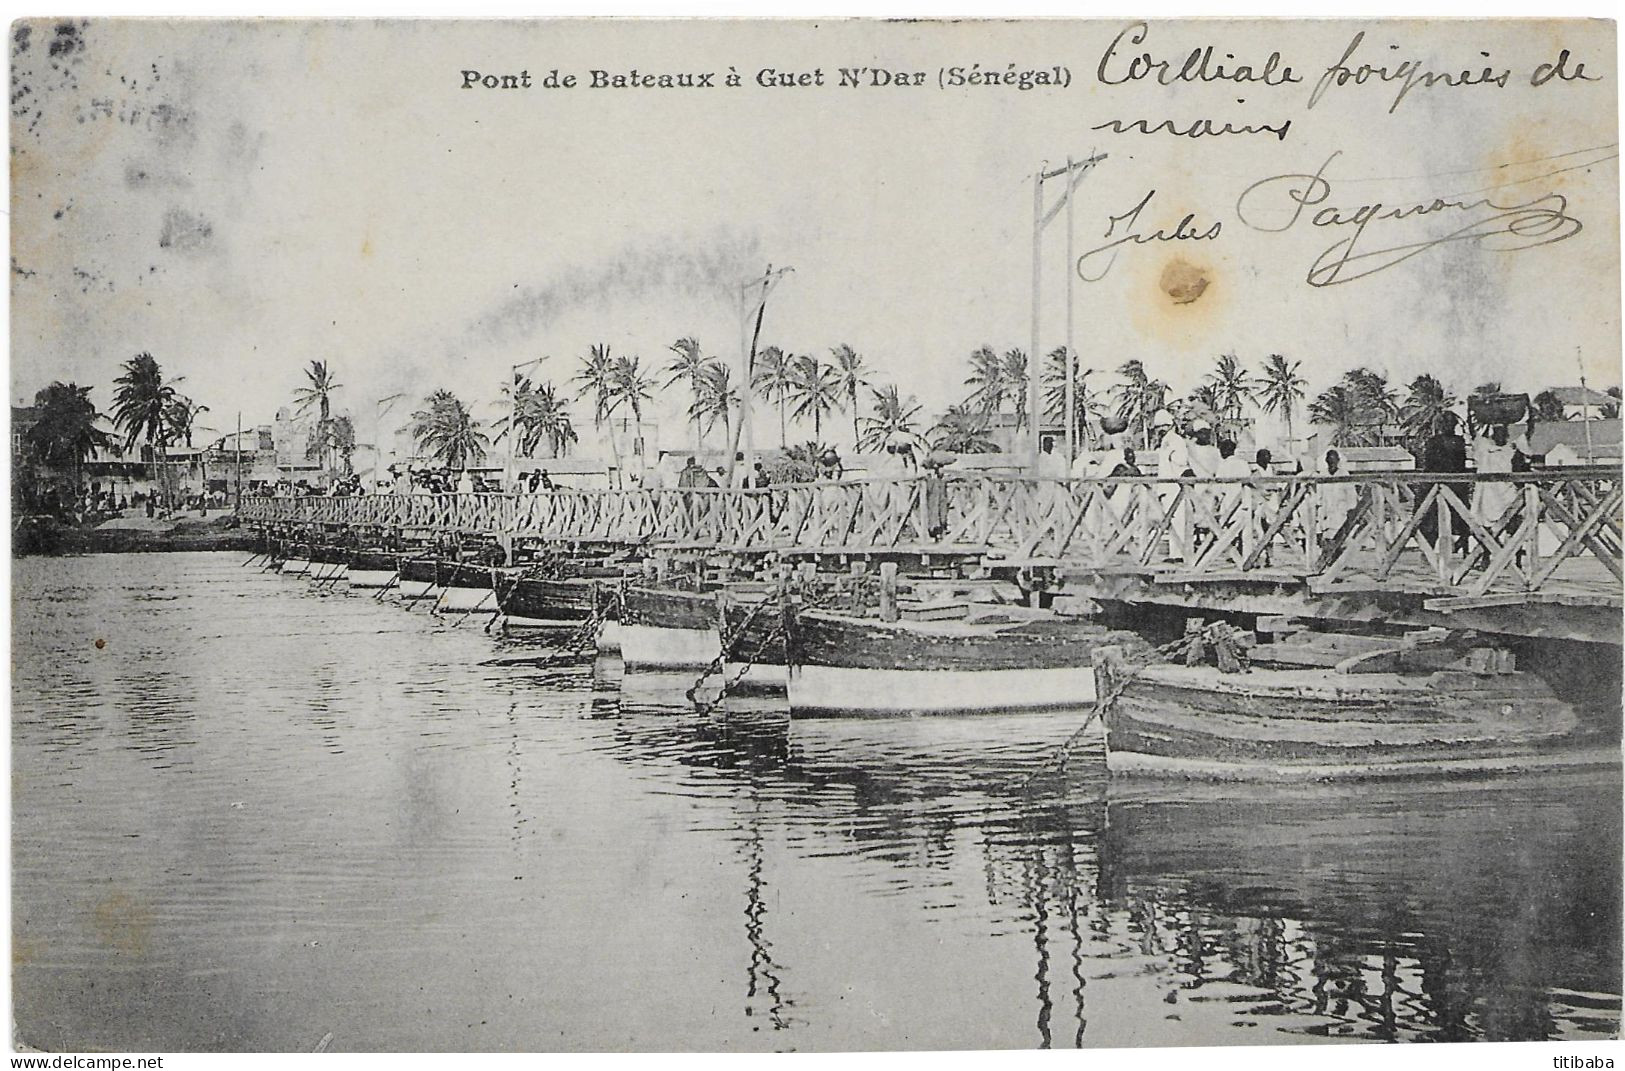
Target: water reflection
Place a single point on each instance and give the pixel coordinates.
(1444, 912)
(370, 800)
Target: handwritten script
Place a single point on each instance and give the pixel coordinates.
(1374, 237)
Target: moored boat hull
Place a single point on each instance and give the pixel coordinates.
(465, 588)
(370, 578)
(459, 600)
(654, 648)
(1315, 724)
(546, 604)
(844, 691)
(668, 629)
(372, 569)
(843, 666)
(418, 579)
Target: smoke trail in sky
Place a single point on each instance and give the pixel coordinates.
(709, 268)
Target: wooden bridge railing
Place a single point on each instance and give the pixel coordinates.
(1470, 535)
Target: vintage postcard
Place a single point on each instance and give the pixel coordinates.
(754, 535)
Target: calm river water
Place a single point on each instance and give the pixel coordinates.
(247, 814)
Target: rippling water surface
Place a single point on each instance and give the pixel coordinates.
(247, 814)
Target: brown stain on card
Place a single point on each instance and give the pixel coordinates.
(1181, 300)
(1183, 281)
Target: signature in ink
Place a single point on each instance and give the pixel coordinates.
(1188, 229)
(1369, 245)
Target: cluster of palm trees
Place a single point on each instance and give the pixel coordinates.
(1361, 408)
(800, 387)
(445, 429)
(333, 439)
(66, 431)
(149, 409)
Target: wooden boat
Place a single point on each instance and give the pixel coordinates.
(372, 569)
(419, 577)
(668, 629)
(464, 587)
(296, 559)
(994, 659)
(328, 563)
(1320, 707)
(549, 603)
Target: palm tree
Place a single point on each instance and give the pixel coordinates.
(1083, 406)
(1138, 397)
(1206, 396)
(688, 366)
(341, 437)
(963, 430)
(445, 429)
(815, 389)
(987, 376)
(1338, 407)
(318, 392)
(141, 408)
(181, 417)
(633, 388)
(715, 398)
(1015, 378)
(65, 432)
(1425, 402)
(538, 414)
(1370, 387)
(1547, 406)
(850, 374)
(771, 382)
(1232, 387)
(1281, 387)
(896, 419)
(597, 378)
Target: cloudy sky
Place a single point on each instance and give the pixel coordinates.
(239, 198)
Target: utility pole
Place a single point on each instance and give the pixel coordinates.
(749, 336)
(1038, 285)
(1585, 403)
(1068, 360)
(1074, 172)
(378, 411)
(513, 411)
(239, 453)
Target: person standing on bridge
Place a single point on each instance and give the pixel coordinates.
(693, 475)
(1444, 451)
(1492, 454)
(1336, 500)
(1173, 461)
(1050, 464)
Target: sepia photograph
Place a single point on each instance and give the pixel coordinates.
(744, 535)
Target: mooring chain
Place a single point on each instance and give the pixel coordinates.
(1155, 656)
(777, 632)
(583, 636)
(718, 663)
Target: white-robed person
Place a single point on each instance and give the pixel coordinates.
(1235, 499)
(1173, 461)
(1334, 500)
(1051, 465)
(1492, 454)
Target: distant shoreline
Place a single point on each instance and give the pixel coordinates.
(36, 535)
